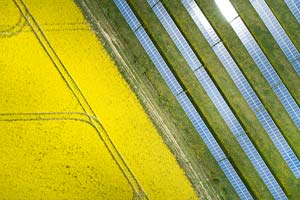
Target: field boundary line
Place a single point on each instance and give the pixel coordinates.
(40, 116)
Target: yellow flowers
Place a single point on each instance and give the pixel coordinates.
(59, 158)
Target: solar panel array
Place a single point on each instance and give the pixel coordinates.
(183, 99)
(243, 85)
(236, 75)
(217, 99)
(278, 33)
(294, 6)
(278, 87)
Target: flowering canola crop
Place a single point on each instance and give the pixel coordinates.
(52, 151)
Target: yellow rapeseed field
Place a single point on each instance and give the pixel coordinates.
(59, 158)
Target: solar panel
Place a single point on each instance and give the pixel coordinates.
(180, 42)
(277, 32)
(184, 101)
(153, 2)
(294, 6)
(129, 16)
(200, 126)
(233, 177)
(216, 97)
(201, 22)
(159, 62)
(219, 102)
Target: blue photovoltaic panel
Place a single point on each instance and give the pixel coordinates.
(177, 37)
(278, 33)
(238, 77)
(159, 62)
(267, 70)
(219, 102)
(185, 103)
(129, 16)
(216, 98)
(201, 22)
(200, 126)
(261, 168)
(152, 2)
(232, 177)
(294, 6)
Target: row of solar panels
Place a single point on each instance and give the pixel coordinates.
(294, 6)
(216, 97)
(183, 100)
